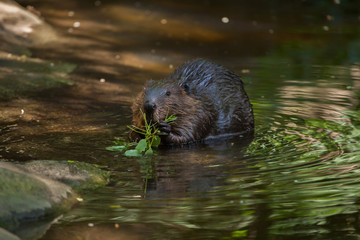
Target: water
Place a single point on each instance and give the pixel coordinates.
(297, 178)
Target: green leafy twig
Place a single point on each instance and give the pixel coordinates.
(144, 146)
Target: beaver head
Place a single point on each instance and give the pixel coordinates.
(161, 99)
(165, 98)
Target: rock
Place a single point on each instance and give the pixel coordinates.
(37, 190)
(21, 75)
(25, 196)
(80, 176)
(5, 235)
(18, 26)
(34, 230)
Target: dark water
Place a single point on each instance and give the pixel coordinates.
(298, 178)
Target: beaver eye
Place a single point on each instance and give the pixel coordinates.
(186, 88)
(168, 93)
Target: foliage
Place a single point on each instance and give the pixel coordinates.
(151, 139)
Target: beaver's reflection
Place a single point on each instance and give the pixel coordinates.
(194, 171)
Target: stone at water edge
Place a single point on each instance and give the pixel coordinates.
(19, 26)
(20, 74)
(25, 196)
(79, 175)
(5, 235)
(37, 189)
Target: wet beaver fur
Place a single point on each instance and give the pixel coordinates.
(207, 99)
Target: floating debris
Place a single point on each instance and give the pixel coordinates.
(225, 20)
(329, 17)
(76, 24)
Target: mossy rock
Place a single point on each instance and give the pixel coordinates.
(79, 175)
(24, 76)
(43, 189)
(27, 197)
(5, 235)
(20, 74)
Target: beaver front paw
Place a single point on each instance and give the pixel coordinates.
(164, 127)
(134, 137)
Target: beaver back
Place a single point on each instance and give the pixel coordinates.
(220, 90)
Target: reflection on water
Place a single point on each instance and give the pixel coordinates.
(297, 178)
(326, 92)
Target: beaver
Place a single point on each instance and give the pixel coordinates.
(207, 99)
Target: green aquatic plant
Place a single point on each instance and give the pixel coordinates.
(151, 139)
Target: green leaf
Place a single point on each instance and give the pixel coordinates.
(116, 148)
(149, 152)
(137, 129)
(133, 153)
(120, 143)
(141, 146)
(239, 234)
(171, 118)
(156, 141)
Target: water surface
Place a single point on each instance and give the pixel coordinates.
(297, 178)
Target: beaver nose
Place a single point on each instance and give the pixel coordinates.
(149, 107)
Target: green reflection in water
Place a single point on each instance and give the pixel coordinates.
(324, 183)
(292, 180)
